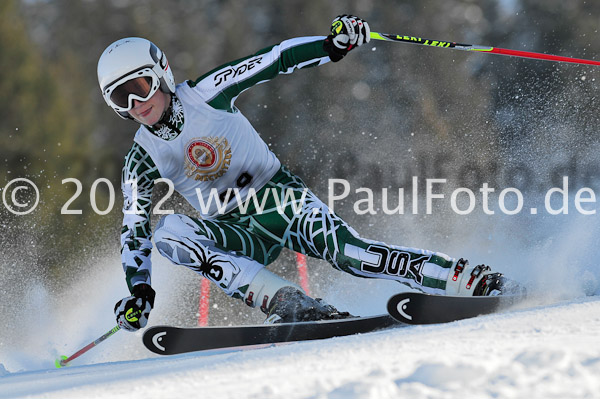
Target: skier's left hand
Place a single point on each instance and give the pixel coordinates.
(132, 312)
(347, 32)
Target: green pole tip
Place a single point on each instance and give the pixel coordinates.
(59, 362)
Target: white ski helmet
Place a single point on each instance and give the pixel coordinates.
(128, 59)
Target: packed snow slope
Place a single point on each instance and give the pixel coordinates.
(545, 350)
(549, 351)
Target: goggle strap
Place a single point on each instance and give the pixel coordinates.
(158, 70)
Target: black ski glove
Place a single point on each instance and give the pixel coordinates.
(132, 312)
(347, 32)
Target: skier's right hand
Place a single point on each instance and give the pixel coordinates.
(132, 312)
(347, 33)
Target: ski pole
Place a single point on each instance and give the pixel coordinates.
(482, 49)
(63, 360)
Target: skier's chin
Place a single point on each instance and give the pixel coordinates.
(148, 120)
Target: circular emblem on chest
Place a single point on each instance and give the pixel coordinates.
(202, 154)
(207, 158)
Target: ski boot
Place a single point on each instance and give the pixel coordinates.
(290, 305)
(465, 280)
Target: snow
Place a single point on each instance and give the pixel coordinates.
(541, 352)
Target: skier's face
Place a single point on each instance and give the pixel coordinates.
(149, 112)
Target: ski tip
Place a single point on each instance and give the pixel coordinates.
(400, 308)
(60, 362)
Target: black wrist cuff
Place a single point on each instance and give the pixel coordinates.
(335, 54)
(144, 291)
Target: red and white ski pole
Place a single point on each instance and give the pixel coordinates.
(64, 360)
(478, 48)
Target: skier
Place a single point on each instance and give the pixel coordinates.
(193, 135)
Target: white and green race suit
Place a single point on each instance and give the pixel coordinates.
(207, 149)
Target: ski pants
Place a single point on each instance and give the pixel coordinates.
(231, 249)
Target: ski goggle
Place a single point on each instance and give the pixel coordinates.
(141, 85)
